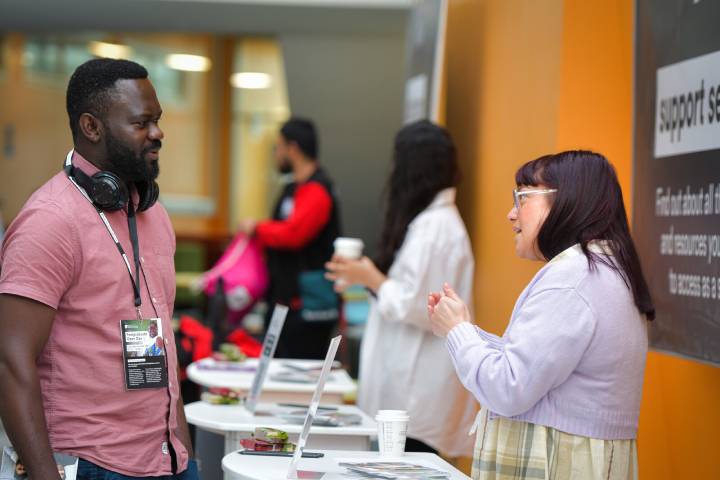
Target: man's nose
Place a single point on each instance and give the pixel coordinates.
(155, 132)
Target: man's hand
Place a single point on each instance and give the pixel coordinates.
(247, 226)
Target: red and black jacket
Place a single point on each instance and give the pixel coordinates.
(305, 222)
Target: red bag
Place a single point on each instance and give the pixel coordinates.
(195, 338)
(248, 345)
(195, 342)
(244, 274)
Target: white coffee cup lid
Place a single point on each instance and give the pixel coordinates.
(392, 415)
(348, 242)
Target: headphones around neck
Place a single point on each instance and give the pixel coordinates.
(108, 192)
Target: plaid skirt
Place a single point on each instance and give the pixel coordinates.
(509, 449)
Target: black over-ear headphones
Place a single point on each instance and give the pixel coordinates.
(108, 192)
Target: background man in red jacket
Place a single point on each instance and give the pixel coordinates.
(298, 241)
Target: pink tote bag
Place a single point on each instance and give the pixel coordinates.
(244, 273)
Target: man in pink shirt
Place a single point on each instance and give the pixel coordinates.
(87, 260)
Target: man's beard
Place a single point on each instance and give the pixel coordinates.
(127, 165)
(285, 166)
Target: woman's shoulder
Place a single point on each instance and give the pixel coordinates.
(568, 272)
(581, 275)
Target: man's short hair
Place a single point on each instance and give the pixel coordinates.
(301, 131)
(90, 86)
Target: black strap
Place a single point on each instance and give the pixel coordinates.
(132, 226)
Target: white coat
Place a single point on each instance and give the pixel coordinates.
(402, 364)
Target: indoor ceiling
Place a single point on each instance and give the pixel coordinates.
(213, 16)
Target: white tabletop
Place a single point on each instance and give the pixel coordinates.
(249, 467)
(204, 372)
(235, 418)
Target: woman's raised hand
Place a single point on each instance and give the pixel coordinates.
(446, 310)
(345, 272)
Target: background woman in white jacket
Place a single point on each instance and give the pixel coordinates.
(402, 364)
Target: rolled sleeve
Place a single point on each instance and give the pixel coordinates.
(37, 259)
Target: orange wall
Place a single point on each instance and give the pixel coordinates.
(524, 80)
(502, 102)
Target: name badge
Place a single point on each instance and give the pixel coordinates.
(144, 357)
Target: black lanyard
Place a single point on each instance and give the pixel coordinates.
(132, 227)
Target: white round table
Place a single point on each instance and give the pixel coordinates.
(234, 422)
(209, 373)
(249, 467)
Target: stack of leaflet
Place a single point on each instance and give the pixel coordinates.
(295, 377)
(295, 373)
(225, 365)
(395, 470)
(323, 418)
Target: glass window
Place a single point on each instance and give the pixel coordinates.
(52, 58)
(259, 107)
(190, 99)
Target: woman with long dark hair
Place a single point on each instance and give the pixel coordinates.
(403, 365)
(561, 388)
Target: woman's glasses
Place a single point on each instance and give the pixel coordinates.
(518, 196)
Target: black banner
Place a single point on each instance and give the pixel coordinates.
(676, 181)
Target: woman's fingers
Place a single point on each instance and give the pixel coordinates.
(451, 307)
(340, 286)
(335, 267)
(433, 298)
(441, 316)
(451, 293)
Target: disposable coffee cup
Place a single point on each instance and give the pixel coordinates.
(392, 432)
(350, 248)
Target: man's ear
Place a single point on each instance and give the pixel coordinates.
(91, 127)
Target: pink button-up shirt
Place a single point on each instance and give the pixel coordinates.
(58, 252)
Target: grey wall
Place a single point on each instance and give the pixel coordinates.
(352, 87)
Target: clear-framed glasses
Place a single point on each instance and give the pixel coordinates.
(518, 195)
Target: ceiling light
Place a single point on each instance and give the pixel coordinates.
(251, 80)
(109, 50)
(188, 63)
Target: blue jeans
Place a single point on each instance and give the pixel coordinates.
(90, 471)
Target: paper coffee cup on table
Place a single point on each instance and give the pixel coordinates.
(392, 432)
(350, 248)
